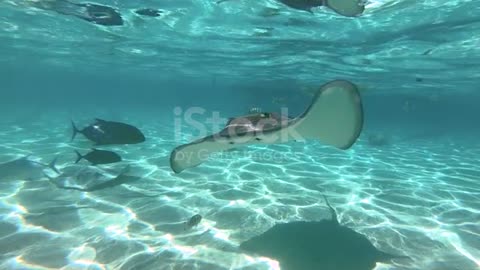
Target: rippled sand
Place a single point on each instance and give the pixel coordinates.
(417, 198)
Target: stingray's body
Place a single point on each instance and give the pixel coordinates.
(348, 8)
(335, 117)
(94, 13)
(325, 245)
(24, 169)
(88, 180)
(306, 5)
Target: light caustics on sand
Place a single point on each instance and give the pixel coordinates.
(411, 199)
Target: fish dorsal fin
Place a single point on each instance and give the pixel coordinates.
(100, 120)
(332, 210)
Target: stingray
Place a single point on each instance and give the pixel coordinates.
(64, 181)
(335, 117)
(320, 245)
(94, 13)
(348, 8)
(24, 169)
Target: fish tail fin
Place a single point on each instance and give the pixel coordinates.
(79, 156)
(75, 131)
(124, 171)
(52, 166)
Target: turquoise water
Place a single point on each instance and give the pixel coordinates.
(415, 63)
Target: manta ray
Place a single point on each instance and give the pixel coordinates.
(335, 117)
(318, 245)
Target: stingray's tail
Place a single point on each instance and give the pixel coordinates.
(349, 8)
(332, 210)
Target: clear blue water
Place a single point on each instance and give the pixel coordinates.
(416, 64)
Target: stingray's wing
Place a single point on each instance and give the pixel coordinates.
(193, 154)
(349, 8)
(334, 117)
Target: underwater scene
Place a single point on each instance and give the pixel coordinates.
(240, 135)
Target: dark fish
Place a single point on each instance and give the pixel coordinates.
(325, 245)
(148, 12)
(427, 52)
(193, 221)
(24, 169)
(99, 157)
(94, 13)
(107, 132)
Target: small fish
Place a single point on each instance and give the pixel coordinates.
(427, 52)
(104, 132)
(99, 157)
(193, 221)
(150, 12)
